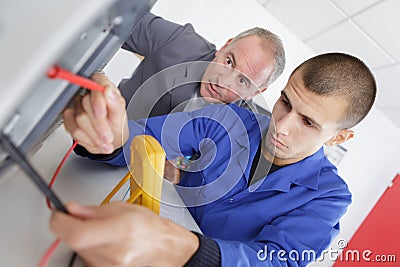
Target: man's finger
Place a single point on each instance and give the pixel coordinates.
(69, 120)
(83, 234)
(116, 105)
(98, 105)
(94, 212)
(99, 122)
(87, 124)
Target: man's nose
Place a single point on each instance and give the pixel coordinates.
(285, 124)
(226, 78)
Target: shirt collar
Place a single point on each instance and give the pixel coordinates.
(304, 173)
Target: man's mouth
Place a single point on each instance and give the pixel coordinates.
(277, 143)
(213, 92)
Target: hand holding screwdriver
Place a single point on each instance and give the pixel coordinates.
(97, 120)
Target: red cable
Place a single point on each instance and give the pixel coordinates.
(53, 179)
(49, 252)
(57, 72)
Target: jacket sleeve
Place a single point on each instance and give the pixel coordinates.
(154, 33)
(296, 238)
(185, 133)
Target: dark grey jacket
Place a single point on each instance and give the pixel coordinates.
(165, 46)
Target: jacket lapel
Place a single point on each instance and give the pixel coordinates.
(185, 83)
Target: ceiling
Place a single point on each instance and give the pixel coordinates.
(365, 28)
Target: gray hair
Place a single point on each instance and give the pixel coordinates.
(273, 43)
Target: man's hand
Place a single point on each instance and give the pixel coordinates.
(171, 173)
(121, 234)
(98, 120)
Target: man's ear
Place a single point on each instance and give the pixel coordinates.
(261, 90)
(224, 46)
(340, 137)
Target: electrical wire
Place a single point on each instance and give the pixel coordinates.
(19, 158)
(58, 72)
(72, 259)
(49, 252)
(55, 175)
(126, 193)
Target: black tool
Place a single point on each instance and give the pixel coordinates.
(21, 160)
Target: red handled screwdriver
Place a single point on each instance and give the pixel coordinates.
(57, 72)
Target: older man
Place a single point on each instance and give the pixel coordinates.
(176, 68)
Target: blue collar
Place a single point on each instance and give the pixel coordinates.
(304, 173)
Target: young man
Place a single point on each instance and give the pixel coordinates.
(262, 191)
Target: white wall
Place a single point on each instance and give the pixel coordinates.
(370, 163)
(369, 166)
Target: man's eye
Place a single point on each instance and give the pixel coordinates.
(286, 103)
(308, 123)
(229, 62)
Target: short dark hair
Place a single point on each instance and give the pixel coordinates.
(345, 76)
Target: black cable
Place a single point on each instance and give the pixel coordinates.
(20, 159)
(72, 260)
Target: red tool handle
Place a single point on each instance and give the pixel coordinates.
(60, 73)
